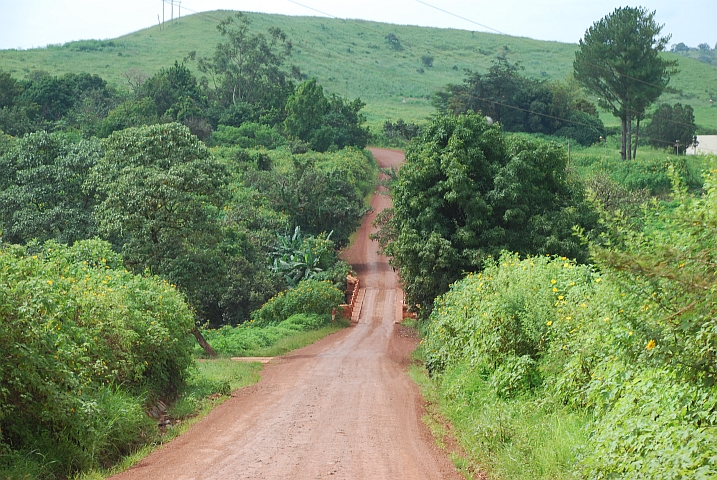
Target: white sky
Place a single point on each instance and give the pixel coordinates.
(36, 23)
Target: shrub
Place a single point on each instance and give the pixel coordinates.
(82, 345)
(501, 314)
(584, 128)
(309, 296)
(247, 135)
(250, 337)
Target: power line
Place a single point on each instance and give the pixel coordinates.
(462, 18)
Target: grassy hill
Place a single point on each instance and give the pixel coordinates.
(351, 58)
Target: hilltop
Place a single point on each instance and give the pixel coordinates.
(353, 58)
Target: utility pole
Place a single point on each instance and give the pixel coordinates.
(162, 14)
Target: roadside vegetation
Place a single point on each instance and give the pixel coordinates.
(130, 223)
(566, 302)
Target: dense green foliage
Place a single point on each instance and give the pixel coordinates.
(248, 135)
(466, 193)
(76, 101)
(318, 193)
(521, 104)
(650, 173)
(75, 328)
(324, 123)
(619, 61)
(42, 194)
(309, 297)
(299, 258)
(626, 352)
(160, 193)
(672, 126)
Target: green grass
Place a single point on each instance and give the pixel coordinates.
(352, 58)
(299, 340)
(519, 439)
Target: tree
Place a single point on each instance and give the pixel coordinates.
(519, 103)
(466, 193)
(41, 189)
(132, 113)
(492, 94)
(315, 201)
(619, 61)
(9, 89)
(169, 86)
(672, 125)
(323, 122)
(246, 69)
(57, 95)
(160, 193)
(305, 110)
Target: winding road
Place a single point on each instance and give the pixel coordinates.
(341, 408)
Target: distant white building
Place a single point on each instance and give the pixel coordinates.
(706, 145)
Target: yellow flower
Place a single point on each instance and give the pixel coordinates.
(549, 323)
(49, 282)
(555, 289)
(651, 344)
(553, 281)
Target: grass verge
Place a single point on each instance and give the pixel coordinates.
(523, 438)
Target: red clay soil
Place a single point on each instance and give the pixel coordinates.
(341, 408)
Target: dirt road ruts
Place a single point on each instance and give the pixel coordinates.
(342, 408)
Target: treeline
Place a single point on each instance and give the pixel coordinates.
(208, 223)
(522, 104)
(558, 108)
(245, 81)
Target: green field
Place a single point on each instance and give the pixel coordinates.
(352, 58)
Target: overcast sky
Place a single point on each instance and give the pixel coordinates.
(36, 23)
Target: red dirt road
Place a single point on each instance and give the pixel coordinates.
(341, 408)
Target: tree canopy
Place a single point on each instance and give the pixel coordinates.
(672, 125)
(42, 196)
(522, 104)
(619, 61)
(246, 73)
(467, 192)
(324, 122)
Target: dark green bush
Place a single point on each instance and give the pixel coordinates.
(82, 344)
(247, 135)
(584, 128)
(309, 296)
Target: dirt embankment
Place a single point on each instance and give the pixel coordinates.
(341, 408)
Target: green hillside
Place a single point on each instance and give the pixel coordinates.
(351, 58)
